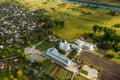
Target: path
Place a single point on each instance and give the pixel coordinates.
(9, 58)
(40, 42)
(55, 70)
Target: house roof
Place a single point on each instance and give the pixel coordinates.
(51, 52)
(1, 65)
(64, 45)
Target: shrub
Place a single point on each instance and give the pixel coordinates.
(116, 25)
(110, 54)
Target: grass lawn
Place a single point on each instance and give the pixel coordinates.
(46, 45)
(79, 77)
(46, 63)
(61, 74)
(83, 71)
(50, 69)
(64, 74)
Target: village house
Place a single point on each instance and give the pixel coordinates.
(1, 46)
(2, 65)
(52, 38)
(84, 45)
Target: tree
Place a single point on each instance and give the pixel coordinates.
(112, 13)
(117, 46)
(19, 73)
(62, 24)
(100, 29)
(6, 78)
(95, 28)
(110, 54)
(56, 22)
(15, 79)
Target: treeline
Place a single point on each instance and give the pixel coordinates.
(107, 38)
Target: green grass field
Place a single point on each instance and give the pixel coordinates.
(50, 69)
(64, 74)
(61, 73)
(79, 77)
(77, 23)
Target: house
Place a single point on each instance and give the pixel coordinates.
(35, 71)
(1, 46)
(64, 45)
(15, 61)
(2, 65)
(76, 47)
(80, 44)
(53, 53)
(52, 38)
(88, 46)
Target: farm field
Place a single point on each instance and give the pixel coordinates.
(110, 69)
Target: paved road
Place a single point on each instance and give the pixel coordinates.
(111, 71)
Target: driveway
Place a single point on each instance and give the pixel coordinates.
(111, 70)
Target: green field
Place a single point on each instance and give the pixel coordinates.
(79, 77)
(83, 71)
(78, 23)
(64, 74)
(44, 46)
(50, 69)
(55, 71)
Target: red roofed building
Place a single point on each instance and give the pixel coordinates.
(1, 65)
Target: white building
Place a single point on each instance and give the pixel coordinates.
(88, 46)
(64, 45)
(1, 46)
(84, 45)
(53, 53)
